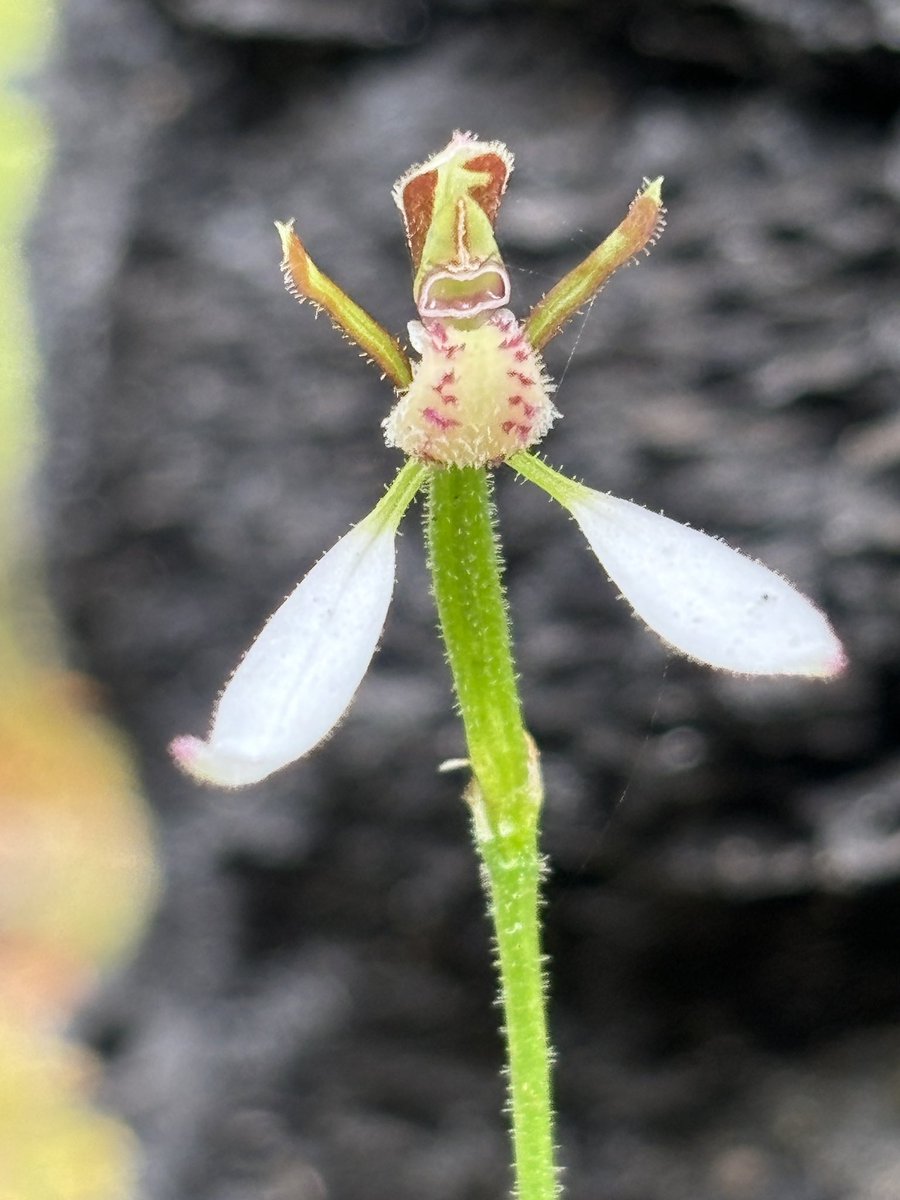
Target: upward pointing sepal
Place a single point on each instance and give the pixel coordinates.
(305, 281)
(640, 229)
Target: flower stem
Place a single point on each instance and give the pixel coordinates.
(505, 796)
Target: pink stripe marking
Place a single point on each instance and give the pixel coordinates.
(522, 431)
(432, 415)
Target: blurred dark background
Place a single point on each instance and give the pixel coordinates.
(310, 1011)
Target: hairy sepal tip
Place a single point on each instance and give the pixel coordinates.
(286, 235)
(652, 190)
(837, 664)
(185, 750)
(206, 763)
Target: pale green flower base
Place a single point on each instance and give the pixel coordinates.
(505, 796)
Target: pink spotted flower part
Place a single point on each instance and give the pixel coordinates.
(479, 393)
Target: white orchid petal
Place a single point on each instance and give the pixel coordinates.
(706, 600)
(298, 678)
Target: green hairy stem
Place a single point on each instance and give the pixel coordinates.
(504, 794)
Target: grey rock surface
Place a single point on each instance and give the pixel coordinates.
(310, 1012)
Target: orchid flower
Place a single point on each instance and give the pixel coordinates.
(478, 396)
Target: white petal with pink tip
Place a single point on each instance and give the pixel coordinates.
(298, 678)
(706, 600)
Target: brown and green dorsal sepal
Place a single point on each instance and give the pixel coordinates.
(449, 206)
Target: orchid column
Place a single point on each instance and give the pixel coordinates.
(477, 397)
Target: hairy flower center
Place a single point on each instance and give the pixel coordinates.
(478, 395)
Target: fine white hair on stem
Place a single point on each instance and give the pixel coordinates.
(703, 598)
(299, 676)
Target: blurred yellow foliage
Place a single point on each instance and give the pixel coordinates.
(76, 874)
(75, 880)
(50, 1147)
